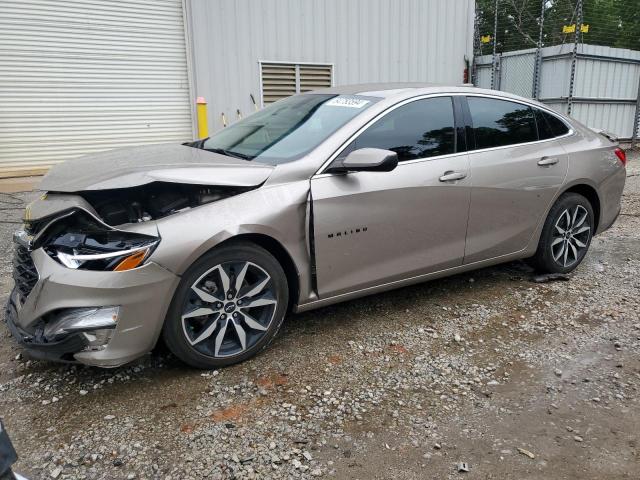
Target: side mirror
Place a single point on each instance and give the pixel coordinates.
(369, 160)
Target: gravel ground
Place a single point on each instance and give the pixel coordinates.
(516, 379)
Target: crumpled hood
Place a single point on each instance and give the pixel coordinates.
(131, 167)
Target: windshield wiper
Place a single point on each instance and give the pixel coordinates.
(196, 143)
(229, 153)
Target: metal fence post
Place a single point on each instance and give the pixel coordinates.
(636, 119)
(498, 72)
(476, 47)
(495, 39)
(538, 59)
(574, 57)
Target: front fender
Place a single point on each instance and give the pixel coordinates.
(277, 211)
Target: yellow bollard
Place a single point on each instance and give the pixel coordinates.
(201, 110)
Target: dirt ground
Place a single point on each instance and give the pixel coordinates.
(516, 379)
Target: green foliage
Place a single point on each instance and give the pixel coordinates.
(613, 23)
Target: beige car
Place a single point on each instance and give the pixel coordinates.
(316, 199)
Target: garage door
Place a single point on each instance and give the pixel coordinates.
(83, 76)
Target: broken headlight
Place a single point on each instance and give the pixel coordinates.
(80, 242)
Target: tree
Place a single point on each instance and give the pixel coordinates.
(614, 23)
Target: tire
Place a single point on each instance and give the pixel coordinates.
(209, 324)
(562, 253)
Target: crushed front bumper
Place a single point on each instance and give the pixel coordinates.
(59, 351)
(143, 296)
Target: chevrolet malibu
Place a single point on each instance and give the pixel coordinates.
(319, 198)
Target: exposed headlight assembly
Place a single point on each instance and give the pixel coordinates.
(81, 242)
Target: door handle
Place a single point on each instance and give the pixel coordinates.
(547, 161)
(451, 176)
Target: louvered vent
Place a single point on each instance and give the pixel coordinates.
(280, 80)
(313, 77)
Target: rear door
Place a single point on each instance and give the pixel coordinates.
(517, 168)
(376, 227)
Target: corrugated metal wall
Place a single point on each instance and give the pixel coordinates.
(365, 40)
(617, 80)
(605, 89)
(83, 76)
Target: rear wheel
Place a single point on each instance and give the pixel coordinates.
(566, 235)
(228, 306)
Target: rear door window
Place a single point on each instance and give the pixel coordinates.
(420, 129)
(497, 123)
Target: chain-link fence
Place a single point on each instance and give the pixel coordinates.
(581, 57)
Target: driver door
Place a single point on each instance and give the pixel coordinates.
(372, 228)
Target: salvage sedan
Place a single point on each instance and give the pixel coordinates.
(319, 198)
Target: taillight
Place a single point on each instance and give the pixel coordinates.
(621, 155)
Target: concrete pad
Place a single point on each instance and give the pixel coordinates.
(19, 184)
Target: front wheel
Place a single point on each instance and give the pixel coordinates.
(229, 306)
(566, 235)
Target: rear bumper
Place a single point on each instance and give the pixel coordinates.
(610, 192)
(143, 296)
(609, 223)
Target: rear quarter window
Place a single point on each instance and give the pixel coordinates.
(549, 126)
(557, 126)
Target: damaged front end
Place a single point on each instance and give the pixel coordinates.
(60, 335)
(87, 286)
(154, 200)
(76, 240)
(83, 271)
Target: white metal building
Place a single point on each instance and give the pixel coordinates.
(79, 76)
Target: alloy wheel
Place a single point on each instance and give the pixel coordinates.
(571, 234)
(229, 308)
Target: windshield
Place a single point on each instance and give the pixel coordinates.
(289, 128)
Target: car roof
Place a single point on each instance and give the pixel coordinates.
(383, 90)
(399, 91)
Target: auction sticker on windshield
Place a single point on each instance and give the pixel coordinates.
(350, 102)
